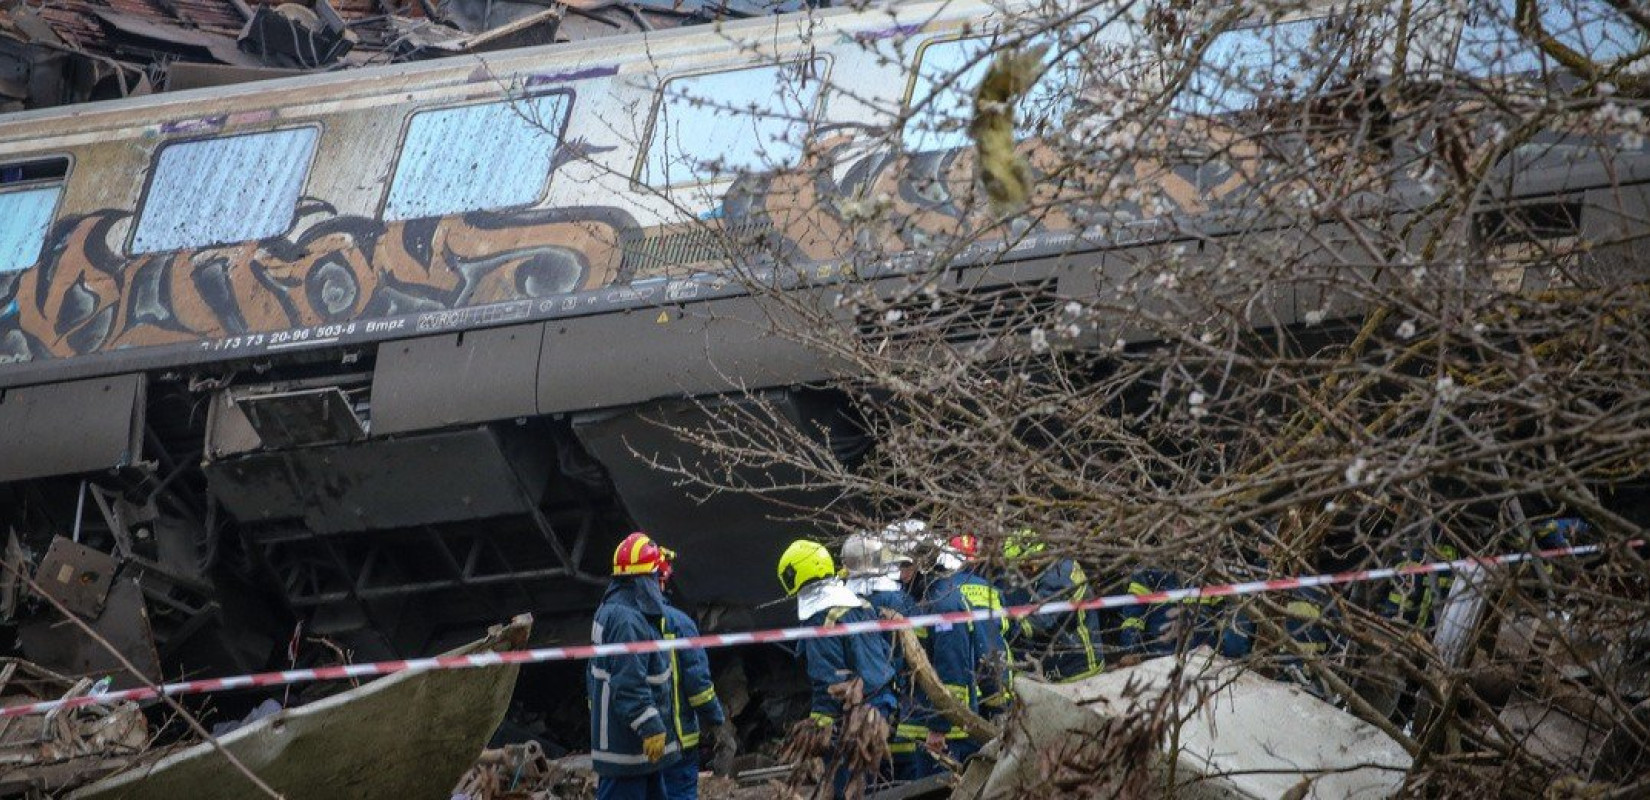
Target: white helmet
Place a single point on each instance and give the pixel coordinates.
(904, 538)
(863, 554)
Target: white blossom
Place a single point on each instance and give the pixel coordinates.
(1315, 316)
(1355, 470)
(1447, 390)
(1406, 329)
(1039, 340)
(1194, 405)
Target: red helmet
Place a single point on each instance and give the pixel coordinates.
(638, 554)
(967, 545)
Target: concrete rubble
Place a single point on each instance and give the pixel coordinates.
(1242, 736)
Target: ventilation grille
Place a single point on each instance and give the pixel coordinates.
(961, 316)
(703, 243)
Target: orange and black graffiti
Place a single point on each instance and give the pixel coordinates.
(85, 297)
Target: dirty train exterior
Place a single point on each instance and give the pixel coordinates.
(312, 212)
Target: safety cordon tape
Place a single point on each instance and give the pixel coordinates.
(580, 652)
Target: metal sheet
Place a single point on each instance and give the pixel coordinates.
(381, 484)
(456, 379)
(124, 624)
(78, 576)
(65, 428)
(672, 351)
(727, 543)
(305, 417)
(351, 745)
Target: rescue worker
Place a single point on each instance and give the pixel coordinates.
(1160, 629)
(956, 651)
(959, 557)
(1413, 598)
(1068, 644)
(631, 743)
(807, 573)
(693, 699)
(874, 567)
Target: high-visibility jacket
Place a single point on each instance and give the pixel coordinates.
(1161, 629)
(952, 648)
(1310, 614)
(835, 659)
(630, 697)
(990, 642)
(911, 721)
(1413, 598)
(693, 695)
(1068, 644)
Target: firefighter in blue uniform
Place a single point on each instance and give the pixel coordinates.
(877, 571)
(961, 555)
(1068, 644)
(958, 651)
(1161, 629)
(693, 698)
(631, 741)
(807, 573)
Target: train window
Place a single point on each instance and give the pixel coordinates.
(29, 191)
(469, 158)
(1491, 46)
(230, 189)
(949, 70)
(719, 124)
(1242, 65)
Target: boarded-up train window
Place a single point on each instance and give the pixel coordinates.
(219, 191)
(720, 124)
(470, 158)
(29, 191)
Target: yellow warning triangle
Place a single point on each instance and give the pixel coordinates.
(664, 316)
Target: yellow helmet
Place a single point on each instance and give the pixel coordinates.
(1021, 544)
(802, 563)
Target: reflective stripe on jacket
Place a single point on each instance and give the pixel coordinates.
(833, 660)
(1068, 644)
(693, 695)
(630, 694)
(953, 648)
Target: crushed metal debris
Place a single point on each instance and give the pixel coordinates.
(71, 51)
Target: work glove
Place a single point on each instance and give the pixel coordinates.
(725, 747)
(654, 747)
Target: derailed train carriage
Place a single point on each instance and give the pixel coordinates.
(393, 351)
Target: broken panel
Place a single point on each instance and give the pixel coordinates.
(77, 576)
(300, 418)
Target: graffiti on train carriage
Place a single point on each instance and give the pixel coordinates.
(84, 297)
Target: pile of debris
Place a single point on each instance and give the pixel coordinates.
(71, 51)
(524, 772)
(43, 754)
(356, 739)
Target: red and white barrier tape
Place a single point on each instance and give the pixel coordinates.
(580, 652)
